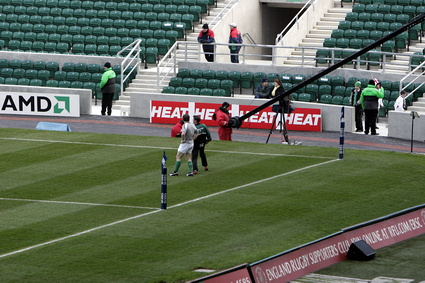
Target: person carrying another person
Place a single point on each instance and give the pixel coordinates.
(355, 102)
(263, 89)
(222, 116)
(369, 99)
(235, 37)
(400, 103)
(206, 37)
(188, 135)
(204, 137)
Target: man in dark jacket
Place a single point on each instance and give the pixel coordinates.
(263, 89)
(369, 100)
(355, 101)
(107, 87)
(206, 37)
(201, 141)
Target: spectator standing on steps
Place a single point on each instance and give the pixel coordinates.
(235, 37)
(206, 37)
(188, 135)
(369, 99)
(355, 101)
(204, 137)
(107, 87)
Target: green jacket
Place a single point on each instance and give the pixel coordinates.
(369, 97)
(203, 134)
(107, 83)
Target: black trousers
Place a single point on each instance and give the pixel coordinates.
(209, 52)
(107, 103)
(370, 120)
(358, 117)
(234, 56)
(195, 151)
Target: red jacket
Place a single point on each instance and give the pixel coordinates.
(224, 130)
(176, 130)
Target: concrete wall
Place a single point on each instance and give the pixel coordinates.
(238, 15)
(85, 94)
(400, 126)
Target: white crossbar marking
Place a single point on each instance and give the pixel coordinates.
(79, 203)
(174, 206)
(156, 147)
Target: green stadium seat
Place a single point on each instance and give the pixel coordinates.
(219, 92)
(352, 16)
(102, 50)
(18, 73)
(324, 89)
(344, 25)
(188, 82)
(235, 77)
(337, 33)
(193, 91)
(36, 82)
(213, 83)
(338, 100)
(227, 86)
(397, 9)
(390, 18)
(159, 34)
(305, 97)
(286, 78)
(168, 89)
(172, 35)
(201, 83)
(338, 90)
(364, 17)
(357, 25)
(23, 81)
(170, 9)
(175, 81)
(11, 81)
(181, 90)
(377, 17)
(358, 8)
(246, 79)
(175, 17)
(206, 92)
(64, 84)
(324, 98)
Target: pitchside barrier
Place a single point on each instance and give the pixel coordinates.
(299, 261)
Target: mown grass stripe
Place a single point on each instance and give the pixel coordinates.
(170, 207)
(156, 147)
(77, 203)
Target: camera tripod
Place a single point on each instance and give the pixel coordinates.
(280, 109)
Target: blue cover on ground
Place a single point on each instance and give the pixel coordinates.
(53, 127)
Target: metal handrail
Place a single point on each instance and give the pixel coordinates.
(226, 9)
(420, 66)
(131, 61)
(249, 38)
(294, 20)
(168, 64)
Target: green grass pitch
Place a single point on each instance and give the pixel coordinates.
(80, 207)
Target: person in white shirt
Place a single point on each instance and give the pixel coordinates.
(188, 134)
(400, 103)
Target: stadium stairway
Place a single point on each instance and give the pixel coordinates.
(329, 22)
(145, 80)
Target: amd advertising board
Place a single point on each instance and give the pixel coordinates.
(41, 104)
(170, 112)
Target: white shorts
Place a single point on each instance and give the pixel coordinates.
(185, 148)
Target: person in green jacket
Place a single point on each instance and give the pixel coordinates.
(107, 87)
(369, 100)
(203, 138)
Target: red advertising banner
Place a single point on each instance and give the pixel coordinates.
(170, 112)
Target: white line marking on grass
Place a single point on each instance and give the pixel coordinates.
(254, 183)
(156, 147)
(173, 206)
(79, 203)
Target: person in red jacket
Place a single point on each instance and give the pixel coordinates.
(176, 129)
(235, 37)
(222, 116)
(206, 37)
